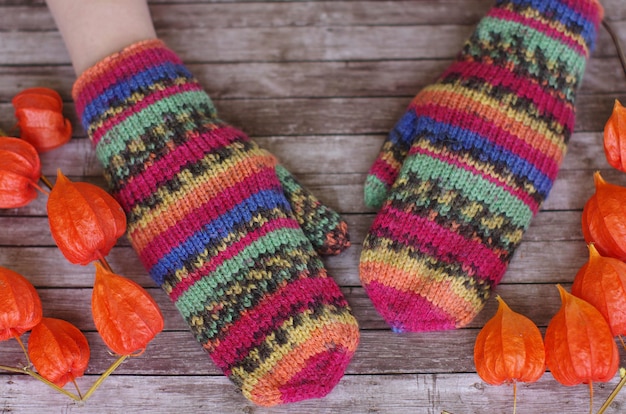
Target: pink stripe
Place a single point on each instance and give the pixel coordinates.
(385, 172)
(407, 311)
(130, 110)
(210, 211)
(270, 313)
(547, 104)
(214, 262)
(120, 67)
(165, 168)
(525, 197)
(539, 26)
(435, 241)
(475, 123)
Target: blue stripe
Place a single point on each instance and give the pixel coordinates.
(456, 138)
(122, 90)
(218, 229)
(555, 10)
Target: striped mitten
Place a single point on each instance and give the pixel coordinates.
(469, 164)
(210, 221)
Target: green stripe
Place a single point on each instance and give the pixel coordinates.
(129, 131)
(469, 185)
(210, 288)
(555, 51)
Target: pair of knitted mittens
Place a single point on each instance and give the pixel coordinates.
(234, 239)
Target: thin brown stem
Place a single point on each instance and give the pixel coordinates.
(42, 379)
(622, 341)
(616, 42)
(104, 375)
(616, 391)
(590, 397)
(19, 341)
(514, 396)
(104, 262)
(46, 181)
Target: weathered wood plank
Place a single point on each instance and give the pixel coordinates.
(337, 116)
(344, 193)
(313, 155)
(537, 301)
(401, 394)
(547, 226)
(21, 16)
(263, 80)
(282, 43)
(534, 262)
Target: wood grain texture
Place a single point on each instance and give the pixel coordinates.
(318, 83)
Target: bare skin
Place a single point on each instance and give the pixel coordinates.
(94, 29)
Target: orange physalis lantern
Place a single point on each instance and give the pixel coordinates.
(58, 350)
(602, 282)
(615, 137)
(509, 349)
(579, 345)
(85, 220)
(38, 113)
(604, 219)
(125, 315)
(20, 306)
(20, 169)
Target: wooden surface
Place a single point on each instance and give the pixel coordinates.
(319, 83)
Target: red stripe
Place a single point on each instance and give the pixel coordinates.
(251, 329)
(146, 184)
(433, 240)
(539, 26)
(384, 172)
(130, 110)
(472, 121)
(547, 104)
(119, 67)
(207, 211)
(525, 197)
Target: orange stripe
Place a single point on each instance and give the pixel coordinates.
(442, 290)
(509, 120)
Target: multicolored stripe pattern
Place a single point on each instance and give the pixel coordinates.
(468, 165)
(210, 221)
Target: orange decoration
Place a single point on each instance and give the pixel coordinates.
(509, 348)
(85, 220)
(579, 345)
(604, 219)
(38, 113)
(615, 137)
(58, 350)
(602, 283)
(20, 306)
(20, 169)
(125, 315)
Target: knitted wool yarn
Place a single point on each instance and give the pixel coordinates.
(209, 219)
(468, 165)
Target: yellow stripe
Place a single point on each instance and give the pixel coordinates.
(519, 123)
(195, 192)
(448, 293)
(554, 24)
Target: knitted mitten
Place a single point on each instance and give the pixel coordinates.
(209, 219)
(470, 162)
